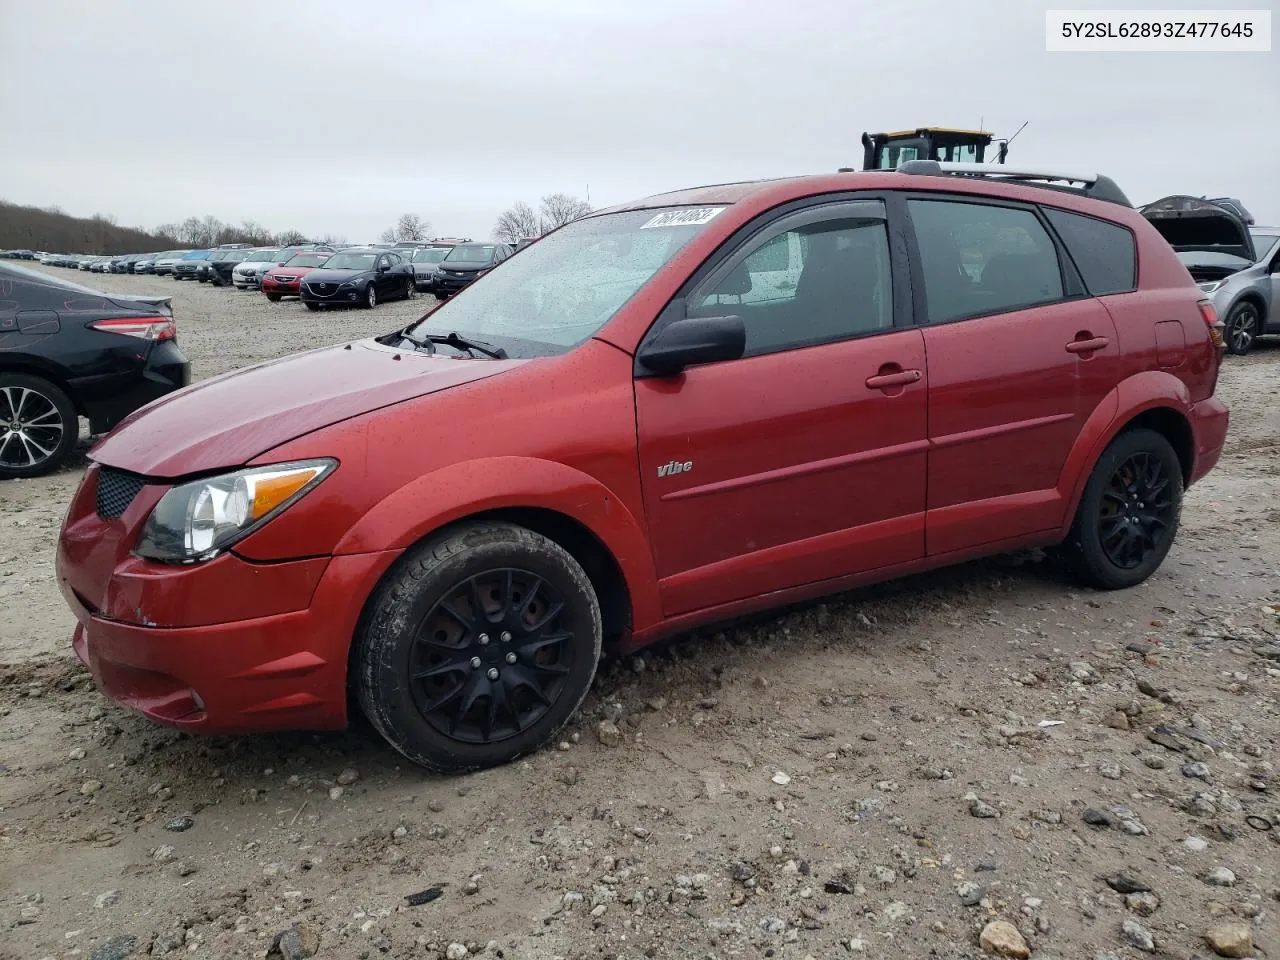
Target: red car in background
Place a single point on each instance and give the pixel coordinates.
(283, 281)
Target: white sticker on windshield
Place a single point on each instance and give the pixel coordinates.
(685, 217)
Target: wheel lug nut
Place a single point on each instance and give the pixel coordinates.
(506, 636)
(475, 663)
(483, 638)
(493, 673)
(511, 658)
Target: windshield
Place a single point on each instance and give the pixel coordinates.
(197, 255)
(568, 285)
(1263, 242)
(430, 254)
(471, 253)
(351, 261)
(261, 256)
(306, 260)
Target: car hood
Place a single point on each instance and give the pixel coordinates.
(321, 275)
(1192, 223)
(227, 421)
(290, 273)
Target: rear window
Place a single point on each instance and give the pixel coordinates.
(1104, 252)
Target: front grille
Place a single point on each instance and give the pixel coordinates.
(116, 490)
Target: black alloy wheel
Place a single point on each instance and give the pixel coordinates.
(1137, 510)
(477, 647)
(1128, 514)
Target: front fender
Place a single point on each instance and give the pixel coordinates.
(1144, 391)
(464, 489)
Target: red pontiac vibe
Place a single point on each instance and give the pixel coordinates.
(284, 280)
(666, 413)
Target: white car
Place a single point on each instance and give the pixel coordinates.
(248, 273)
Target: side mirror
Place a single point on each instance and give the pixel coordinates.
(693, 340)
(384, 267)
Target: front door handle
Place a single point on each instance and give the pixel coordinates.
(1087, 345)
(886, 381)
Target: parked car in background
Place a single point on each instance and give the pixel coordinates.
(68, 351)
(146, 263)
(185, 269)
(464, 263)
(256, 262)
(284, 280)
(426, 264)
(358, 275)
(165, 262)
(1237, 265)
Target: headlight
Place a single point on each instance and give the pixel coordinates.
(1211, 285)
(196, 521)
(348, 283)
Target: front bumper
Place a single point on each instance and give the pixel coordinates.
(452, 284)
(107, 401)
(280, 288)
(335, 295)
(284, 671)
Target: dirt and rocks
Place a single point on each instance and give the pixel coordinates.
(983, 759)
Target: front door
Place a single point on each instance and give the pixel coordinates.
(805, 459)
(1019, 358)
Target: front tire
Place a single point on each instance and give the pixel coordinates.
(1243, 326)
(371, 296)
(1128, 515)
(478, 647)
(312, 306)
(273, 297)
(38, 426)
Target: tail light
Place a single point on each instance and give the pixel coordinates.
(1213, 323)
(157, 329)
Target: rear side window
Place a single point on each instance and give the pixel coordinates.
(979, 259)
(1104, 253)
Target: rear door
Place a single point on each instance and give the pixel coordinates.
(1019, 356)
(804, 460)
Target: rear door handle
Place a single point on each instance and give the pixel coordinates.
(1087, 346)
(885, 381)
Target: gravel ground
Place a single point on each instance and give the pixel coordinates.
(985, 757)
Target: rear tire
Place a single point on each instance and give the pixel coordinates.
(1128, 514)
(410, 291)
(1242, 328)
(453, 691)
(48, 426)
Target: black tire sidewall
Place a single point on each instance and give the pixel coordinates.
(371, 296)
(70, 424)
(1085, 546)
(423, 576)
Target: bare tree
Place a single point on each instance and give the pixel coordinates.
(560, 208)
(517, 222)
(333, 240)
(290, 236)
(409, 226)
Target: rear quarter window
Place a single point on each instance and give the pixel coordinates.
(1104, 253)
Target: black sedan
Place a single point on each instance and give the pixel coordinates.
(464, 263)
(363, 276)
(67, 351)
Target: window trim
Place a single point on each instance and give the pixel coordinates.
(900, 258)
(1137, 262)
(1073, 287)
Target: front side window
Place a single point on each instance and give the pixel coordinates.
(821, 281)
(979, 259)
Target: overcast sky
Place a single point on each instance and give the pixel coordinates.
(338, 116)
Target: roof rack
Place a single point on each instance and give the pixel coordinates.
(1094, 185)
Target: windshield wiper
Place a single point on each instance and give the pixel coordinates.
(426, 345)
(459, 342)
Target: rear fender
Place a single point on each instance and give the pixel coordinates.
(460, 490)
(1144, 391)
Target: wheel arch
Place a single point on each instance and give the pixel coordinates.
(1251, 296)
(1153, 399)
(28, 366)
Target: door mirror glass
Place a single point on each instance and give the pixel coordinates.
(690, 341)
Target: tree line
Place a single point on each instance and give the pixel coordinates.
(54, 230)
